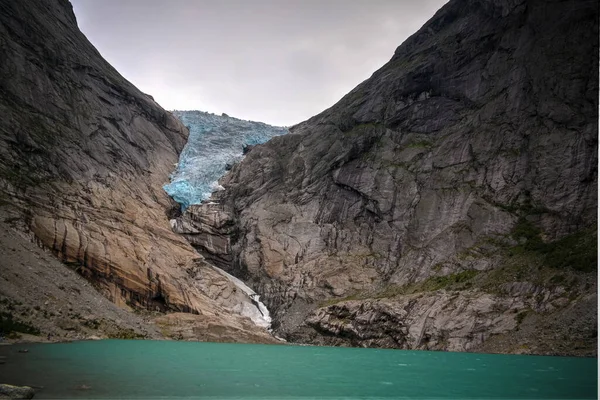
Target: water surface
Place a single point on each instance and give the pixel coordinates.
(163, 369)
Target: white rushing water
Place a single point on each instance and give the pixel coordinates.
(257, 311)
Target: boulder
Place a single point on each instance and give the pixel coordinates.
(16, 392)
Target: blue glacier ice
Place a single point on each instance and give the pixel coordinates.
(214, 142)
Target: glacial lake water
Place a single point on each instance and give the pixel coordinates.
(191, 370)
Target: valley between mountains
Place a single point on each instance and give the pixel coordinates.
(448, 202)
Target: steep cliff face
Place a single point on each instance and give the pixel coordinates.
(83, 158)
(449, 198)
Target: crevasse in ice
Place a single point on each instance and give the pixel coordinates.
(214, 142)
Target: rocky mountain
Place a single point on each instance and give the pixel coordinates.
(83, 158)
(447, 202)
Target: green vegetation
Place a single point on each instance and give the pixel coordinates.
(396, 165)
(40, 137)
(408, 63)
(360, 129)
(335, 300)
(546, 264)
(535, 260)
(8, 325)
(524, 208)
(441, 282)
(128, 334)
(420, 144)
(551, 264)
(92, 323)
(459, 281)
(19, 177)
(528, 235)
(521, 316)
(577, 251)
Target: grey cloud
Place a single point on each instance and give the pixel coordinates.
(277, 61)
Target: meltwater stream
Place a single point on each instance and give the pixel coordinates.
(257, 312)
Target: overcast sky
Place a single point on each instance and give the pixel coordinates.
(276, 61)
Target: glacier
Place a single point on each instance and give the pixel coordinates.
(214, 142)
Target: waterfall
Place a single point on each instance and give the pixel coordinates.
(256, 311)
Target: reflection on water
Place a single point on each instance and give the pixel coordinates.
(162, 369)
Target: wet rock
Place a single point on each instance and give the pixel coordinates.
(16, 392)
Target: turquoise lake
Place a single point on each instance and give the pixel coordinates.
(190, 370)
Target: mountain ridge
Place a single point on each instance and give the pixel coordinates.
(83, 158)
(449, 180)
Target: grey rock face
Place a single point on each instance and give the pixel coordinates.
(485, 117)
(464, 320)
(83, 158)
(441, 321)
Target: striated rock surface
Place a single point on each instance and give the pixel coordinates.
(41, 300)
(466, 164)
(83, 158)
(212, 328)
(461, 320)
